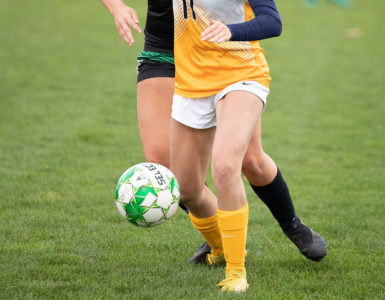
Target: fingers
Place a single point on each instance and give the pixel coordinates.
(135, 21)
(209, 32)
(125, 19)
(125, 32)
(216, 32)
(221, 38)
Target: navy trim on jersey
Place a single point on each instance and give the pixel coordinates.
(266, 24)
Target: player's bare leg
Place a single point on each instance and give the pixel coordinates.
(190, 157)
(154, 115)
(268, 183)
(257, 166)
(154, 101)
(231, 141)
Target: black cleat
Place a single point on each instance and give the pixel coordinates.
(309, 242)
(200, 256)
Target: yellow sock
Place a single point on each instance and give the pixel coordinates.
(233, 226)
(208, 227)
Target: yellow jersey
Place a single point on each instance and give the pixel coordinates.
(202, 68)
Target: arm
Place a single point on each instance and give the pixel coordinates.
(125, 17)
(266, 24)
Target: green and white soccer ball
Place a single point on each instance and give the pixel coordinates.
(147, 194)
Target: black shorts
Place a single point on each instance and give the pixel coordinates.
(147, 70)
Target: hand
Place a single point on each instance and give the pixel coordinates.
(216, 32)
(126, 17)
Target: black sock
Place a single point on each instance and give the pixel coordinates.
(184, 208)
(277, 198)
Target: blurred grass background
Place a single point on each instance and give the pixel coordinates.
(68, 130)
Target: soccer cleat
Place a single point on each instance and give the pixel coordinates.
(235, 281)
(309, 242)
(200, 256)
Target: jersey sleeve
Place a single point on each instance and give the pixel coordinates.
(266, 24)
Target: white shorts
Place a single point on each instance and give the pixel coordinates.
(200, 113)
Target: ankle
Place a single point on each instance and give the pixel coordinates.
(217, 252)
(291, 225)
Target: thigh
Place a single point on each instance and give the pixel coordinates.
(257, 166)
(238, 116)
(190, 156)
(254, 148)
(154, 115)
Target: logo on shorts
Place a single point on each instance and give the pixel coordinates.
(246, 83)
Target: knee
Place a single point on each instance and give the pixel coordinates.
(224, 171)
(189, 193)
(159, 157)
(253, 166)
(259, 170)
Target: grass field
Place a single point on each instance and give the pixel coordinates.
(68, 130)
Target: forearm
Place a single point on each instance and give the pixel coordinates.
(266, 24)
(113, 5)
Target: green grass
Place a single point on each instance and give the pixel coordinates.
(68, 130)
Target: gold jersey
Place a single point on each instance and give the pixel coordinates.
(203, 68)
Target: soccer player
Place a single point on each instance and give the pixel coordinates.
(156, 71)
(221, 86)
(154, 98)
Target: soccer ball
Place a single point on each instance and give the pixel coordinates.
(147, 194)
